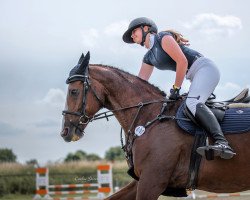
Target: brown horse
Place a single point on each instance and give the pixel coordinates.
(161, 155)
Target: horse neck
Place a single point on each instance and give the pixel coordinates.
(123, 90)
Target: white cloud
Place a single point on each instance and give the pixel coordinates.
(8, 129)
(54, 97)
(228, 90)
(116, 29)
(215, 25)
(107, 43)
(229, 86)
(90, 37)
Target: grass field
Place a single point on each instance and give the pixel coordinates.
(17, 197)
(30, 197)
(119, 172)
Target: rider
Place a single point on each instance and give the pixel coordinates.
(167, 50)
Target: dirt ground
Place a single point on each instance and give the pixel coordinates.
(199, 192)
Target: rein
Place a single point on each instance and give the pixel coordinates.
(85, 119)
(141, 104)
(83, 116)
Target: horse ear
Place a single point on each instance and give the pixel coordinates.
(81, 68)
(83, 65)
(85, 61)
(81, 58)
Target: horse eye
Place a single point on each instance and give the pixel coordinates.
(74, 92)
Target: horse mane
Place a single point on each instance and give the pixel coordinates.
(121, 72)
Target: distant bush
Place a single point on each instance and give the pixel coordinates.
(114, 153)
(2, 187)
(16, 179)
(92, 157)
(81, 156)
(6, 155)
(32, 162)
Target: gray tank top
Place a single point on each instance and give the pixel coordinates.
(157, 57)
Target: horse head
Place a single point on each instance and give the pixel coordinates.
(92, 87)
(78, 112)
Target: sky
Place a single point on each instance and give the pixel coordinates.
(40, 41)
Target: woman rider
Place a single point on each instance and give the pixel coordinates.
(168, 50)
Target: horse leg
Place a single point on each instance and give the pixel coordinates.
(155, 177)
(156, 170)
(126, 193)
(150, 188)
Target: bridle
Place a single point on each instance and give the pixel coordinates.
(84, 118)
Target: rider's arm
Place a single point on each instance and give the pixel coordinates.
(145, 71)
(171, 47)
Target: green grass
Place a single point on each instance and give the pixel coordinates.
(17, 197)
(29, 197)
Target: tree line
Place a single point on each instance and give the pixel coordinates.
(112, 154)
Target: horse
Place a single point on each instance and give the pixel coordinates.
(161, 155)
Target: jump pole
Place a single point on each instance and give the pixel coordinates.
(103, 186)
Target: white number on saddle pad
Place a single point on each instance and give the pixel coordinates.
(139, 130)
(240, 111)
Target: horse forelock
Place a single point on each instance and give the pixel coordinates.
(130, 77)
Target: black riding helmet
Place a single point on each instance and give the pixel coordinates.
(139, 22)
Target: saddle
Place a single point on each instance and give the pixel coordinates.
(233, 115)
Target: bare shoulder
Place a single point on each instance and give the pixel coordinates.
(167, 39)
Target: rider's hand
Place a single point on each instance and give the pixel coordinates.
(174, 93)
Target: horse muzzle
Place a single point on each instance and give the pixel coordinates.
(71, 133)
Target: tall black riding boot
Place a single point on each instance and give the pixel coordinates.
(210, 124)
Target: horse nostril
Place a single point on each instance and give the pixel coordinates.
(65, 132)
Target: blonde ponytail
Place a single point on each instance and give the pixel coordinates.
(179, 37)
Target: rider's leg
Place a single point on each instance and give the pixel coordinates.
(209, 123)
(204, 77)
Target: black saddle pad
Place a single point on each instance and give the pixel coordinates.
(236, 120)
